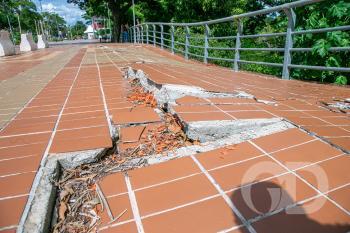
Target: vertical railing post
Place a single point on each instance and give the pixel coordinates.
(161, 36)
(138, 34)
(134, 33)
(147, 36)
(238, 44)
(187, 43)
(172, 39)
(289, 43)
(154, 34)
(206, 43)
(141, 34)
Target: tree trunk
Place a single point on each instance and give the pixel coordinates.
(114, 6)
(116, 27)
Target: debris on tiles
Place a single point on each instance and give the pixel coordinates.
(153, 139)
(139, 96)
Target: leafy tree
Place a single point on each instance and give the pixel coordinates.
(25, 10)
(55, 24)
(78, 29)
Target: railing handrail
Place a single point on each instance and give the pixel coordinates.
(287, 51)
(269, 10)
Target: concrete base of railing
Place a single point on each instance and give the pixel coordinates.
(42, 42)
(6, 46)
(27, 43)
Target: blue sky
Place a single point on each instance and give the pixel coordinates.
(70, 12)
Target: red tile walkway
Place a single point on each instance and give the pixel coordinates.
(203, 193)
(200, 193)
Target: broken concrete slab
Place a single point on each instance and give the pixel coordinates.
(168, 93)
(205, 131)
(6, 46)
(234, 138)
(38, 214)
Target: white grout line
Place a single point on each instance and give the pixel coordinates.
(15, 196)
(134, 206)
(167, 182)
(15, 174)
(261, 155)
(104, 99)
(300, 177)
(212, 104)
(180, 206)
(43, 160)
(115, 224)
(8, 228)
(224, 196)
(19, 157)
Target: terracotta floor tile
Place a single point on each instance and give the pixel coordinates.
(84, 115)
(271, 195)
(209, 216)
(341, 196)
(124, 228)
(343, 142)
(191, 100)
(251, 114)
(11, 211)
(35, 128)
(282, 140)
(328, 219)
(131, 134)
(162, 172)
(306, 121)
(237, 107)
(337, 120)
(13, 230)
(24, 140)
(80, 144)
(324, 113)
(174, 194)
(231, 154)
(329, 173)
(89, 122)
(137, 115)
(113, 184)
(84, 109)
(81, 133)
(16, 184)
(120, 105)
(333, 131)
(287, 114)
(306, 154)
(26, 164)
(231, 100)
(195, 108)
(236, 175)
(216, 116)
(19, 151)
(118, 204)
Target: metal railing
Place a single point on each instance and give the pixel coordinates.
(148, 33)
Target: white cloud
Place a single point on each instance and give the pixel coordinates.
(69, 12)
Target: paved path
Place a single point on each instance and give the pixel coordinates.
(69, 92)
